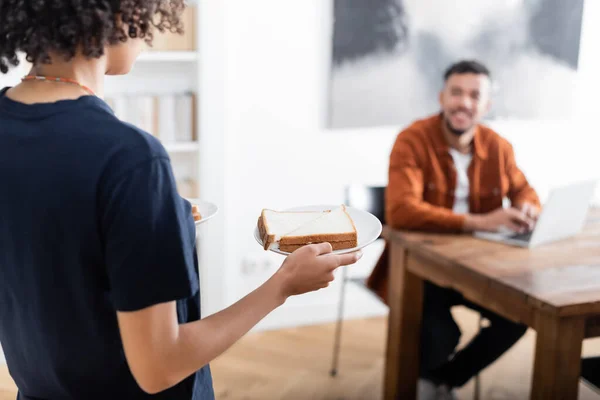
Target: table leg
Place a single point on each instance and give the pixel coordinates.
(557, 357)
(405, 296)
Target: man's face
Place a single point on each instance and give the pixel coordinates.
(464, 100)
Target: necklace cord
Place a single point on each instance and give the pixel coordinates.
(57, 79)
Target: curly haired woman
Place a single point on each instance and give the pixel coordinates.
(99, 292)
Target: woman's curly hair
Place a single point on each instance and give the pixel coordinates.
(64, 27)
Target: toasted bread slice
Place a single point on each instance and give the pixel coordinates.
(335, 226)
(273, 225)
(292, 230)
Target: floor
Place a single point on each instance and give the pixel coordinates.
(294, 364)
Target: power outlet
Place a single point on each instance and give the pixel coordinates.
(249, 266)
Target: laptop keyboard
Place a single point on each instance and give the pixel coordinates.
(522, 236)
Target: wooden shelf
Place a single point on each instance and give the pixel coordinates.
(168, 56)
(184, 147)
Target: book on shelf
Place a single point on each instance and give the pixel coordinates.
(168, 41)
(119, 106)
(141, 113)
(166, 121)
(170, 117)
(184, 118)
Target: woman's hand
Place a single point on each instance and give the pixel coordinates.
(311, 268)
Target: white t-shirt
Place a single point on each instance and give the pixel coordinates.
(461, 193)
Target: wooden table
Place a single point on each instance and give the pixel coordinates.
(555, 289)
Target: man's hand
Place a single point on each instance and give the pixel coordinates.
(509, 218)
(530, 210)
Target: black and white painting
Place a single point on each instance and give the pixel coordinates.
(389, 56)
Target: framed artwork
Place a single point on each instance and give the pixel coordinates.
(388, 57)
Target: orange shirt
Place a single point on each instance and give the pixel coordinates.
(422, 180)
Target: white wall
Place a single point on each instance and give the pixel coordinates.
(276, 89)
(276, 108)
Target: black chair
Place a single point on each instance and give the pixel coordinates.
(372, 200)
(590, 372)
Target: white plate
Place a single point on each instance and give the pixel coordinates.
(367, 225)
(207, 210)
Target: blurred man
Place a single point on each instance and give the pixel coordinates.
(448, 173)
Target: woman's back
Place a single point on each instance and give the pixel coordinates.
(73, 178)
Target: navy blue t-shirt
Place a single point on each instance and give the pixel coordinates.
(90, 223)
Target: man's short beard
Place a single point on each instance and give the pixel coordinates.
(457, 132)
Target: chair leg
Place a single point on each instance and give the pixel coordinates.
(338, 328)
(477, 394)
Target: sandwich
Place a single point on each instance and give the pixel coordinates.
(290, 230)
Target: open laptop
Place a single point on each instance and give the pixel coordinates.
(562, 216)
